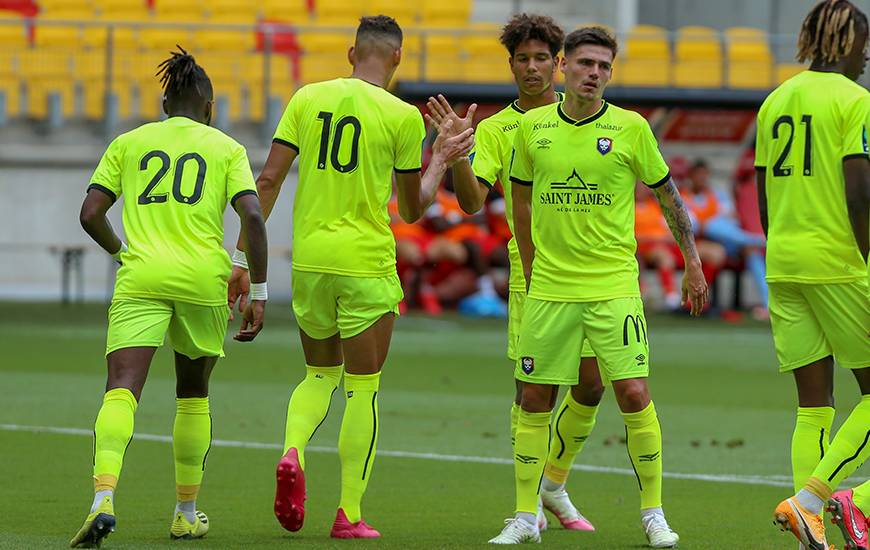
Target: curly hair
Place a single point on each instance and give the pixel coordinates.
(524, 26)
(828, 31)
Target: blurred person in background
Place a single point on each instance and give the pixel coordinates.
(655, 244)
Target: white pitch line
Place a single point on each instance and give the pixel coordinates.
(773, 481)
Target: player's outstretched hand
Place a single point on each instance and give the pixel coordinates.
(238, 287)
(252, 321)
(452, 149)
(694, 289)
(440, 111)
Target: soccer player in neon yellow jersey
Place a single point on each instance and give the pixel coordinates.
(814, 195)
(533, 43)
(177, 176)
(574, 171)
(351, 137)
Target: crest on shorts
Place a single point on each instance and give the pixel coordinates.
(528, 365)
(605, 145)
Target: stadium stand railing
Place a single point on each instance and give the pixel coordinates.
(96, 60)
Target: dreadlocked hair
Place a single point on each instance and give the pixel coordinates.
(183, 79)
(828, 32)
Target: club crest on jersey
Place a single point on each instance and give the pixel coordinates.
(528, 365)
(605, 145)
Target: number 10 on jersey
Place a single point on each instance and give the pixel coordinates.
(337, 134)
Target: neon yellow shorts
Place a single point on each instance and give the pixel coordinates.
(326, 304)
(516, 303)
(812, 321)
(194, 330)
(552, 336)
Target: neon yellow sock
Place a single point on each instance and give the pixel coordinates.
(809, 442)
(191, 441)
(515, 414)
(530, 451)
(112, 433)
(357, 440)
(849, 449)
(309, 406)
(574, 423)
(861, 497)
(644, 441)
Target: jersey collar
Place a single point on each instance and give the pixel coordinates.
(587, 120)
(515, 105)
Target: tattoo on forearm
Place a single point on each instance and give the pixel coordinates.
(677, 217)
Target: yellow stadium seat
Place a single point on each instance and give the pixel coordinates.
(340, 12)
(124, 34)
(485, 59)
(647, 58)
(324, 55)
(295, 11)
(95, 100)
(784, 71)
(13, 36)
(190, 11)
(406, 13)
(442, 58)
(122, 9)
(441, 13)
(232, 10)
(225, 39)
(165, 38)
(750, 62)
(698, 58)
(224, 70)
(78, 8)
(56, 36)
(47, 72)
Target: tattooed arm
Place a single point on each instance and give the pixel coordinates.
(694, 285)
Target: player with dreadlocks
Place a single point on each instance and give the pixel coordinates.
(178, 176)
(814, 197)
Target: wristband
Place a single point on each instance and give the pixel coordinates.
(117, 255)
(239, 259)
(258, 292)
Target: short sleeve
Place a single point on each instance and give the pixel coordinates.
(240, 179)
(409, 145)
(646, 159)
(486, 158)
(287, 132)
(521, 162)
(855, 128)
(761, 141)
(107, 176)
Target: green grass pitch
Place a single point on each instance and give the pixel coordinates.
(726, 417)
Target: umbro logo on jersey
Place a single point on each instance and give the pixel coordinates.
(648, 458)
(528, 365)
(574, 181)
(605, 145)
(543, 143)
(525, 459)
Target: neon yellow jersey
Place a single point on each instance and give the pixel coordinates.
(583, 175)
(806, 128)
(351, 135)
(491, 161)
(177, 176)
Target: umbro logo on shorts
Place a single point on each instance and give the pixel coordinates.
(640, 359)
(525, 459)
(528, 365)
(649, 458)
(580, 438)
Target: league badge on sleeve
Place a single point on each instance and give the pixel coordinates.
(605, 145)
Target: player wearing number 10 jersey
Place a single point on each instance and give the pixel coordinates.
(351, 137)
(177, 177)
(814, 183)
